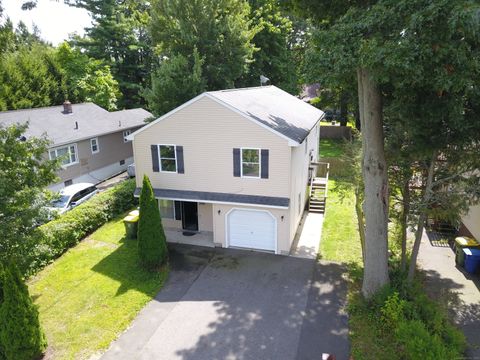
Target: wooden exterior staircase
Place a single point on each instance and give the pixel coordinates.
(318, 187)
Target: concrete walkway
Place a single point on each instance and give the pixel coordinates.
(307, 240)
(460, 290)
(235, 304)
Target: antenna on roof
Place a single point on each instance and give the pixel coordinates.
(263, 80)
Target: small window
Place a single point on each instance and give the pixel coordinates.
(94, 145)
(67, 154)
(168, 159)
(251, 163)
(125, 134)
(167, 209)
(68, 182)
(122, 162)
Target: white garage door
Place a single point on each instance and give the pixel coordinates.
(252, 229)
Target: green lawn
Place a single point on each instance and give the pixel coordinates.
(90, 295)
(330, 148)
(340, 240)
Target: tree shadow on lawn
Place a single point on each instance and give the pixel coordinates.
(253, 305)
(123, 266)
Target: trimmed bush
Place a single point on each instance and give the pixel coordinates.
(54, 238)
(21, 336)
(152, 245)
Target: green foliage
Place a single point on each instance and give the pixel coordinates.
(21, 336)
(411, 325)
(119, 38)
(24, 174)
(54, 238)
(29, 77)
(174, 82)
(87, 79)
(152, 245)
(273, 40)
(217, 29)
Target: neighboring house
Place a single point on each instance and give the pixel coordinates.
(232, 164)
(91, 141)
(471, 223)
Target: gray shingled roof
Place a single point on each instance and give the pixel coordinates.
(217, 197)
(274, 108)
(60, 127)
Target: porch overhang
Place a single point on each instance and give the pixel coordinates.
(219, 198)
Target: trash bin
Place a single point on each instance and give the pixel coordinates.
(462, 242)
(472, 260)
(131, 224)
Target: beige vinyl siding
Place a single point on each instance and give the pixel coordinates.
(112, 149)
(300, 164)
(220, 230)
(208, 133)
(472, 221)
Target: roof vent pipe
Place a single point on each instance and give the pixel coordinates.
(67, 107)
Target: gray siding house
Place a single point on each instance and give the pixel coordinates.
(91, 141)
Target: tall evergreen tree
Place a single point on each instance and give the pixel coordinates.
(275, 47)
(119, 36)
(21, 336)
(152, 245)
(219, 30)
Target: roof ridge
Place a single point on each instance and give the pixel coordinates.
(49, 107)
(242, 88)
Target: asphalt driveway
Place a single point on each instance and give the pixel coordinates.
(233, 304)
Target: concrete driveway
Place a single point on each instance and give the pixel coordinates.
(233, 304)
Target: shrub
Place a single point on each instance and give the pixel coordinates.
(419, 343)
(152, 246)
(21, 336)
(54, 238)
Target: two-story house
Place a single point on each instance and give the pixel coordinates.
(233, 164)
(91, 142)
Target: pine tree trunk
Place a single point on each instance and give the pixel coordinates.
(404, 219)
(374, 169)
(422, 218)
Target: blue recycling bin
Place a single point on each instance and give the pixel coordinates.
(472, 260)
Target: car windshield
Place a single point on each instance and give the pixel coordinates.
(61, 202)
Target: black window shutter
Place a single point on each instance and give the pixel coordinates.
(178, 210)
(264, 171)
(236, 162)
(155, 164)
(180, 165)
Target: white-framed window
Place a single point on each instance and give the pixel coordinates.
(250, 162)
(94, 145)
(67, 154)
(167, 208)
(167, 157)
(125, 134)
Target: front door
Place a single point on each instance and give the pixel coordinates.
(190, 216)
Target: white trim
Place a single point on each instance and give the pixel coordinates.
(69, 154)
(221, 202)
(291, 142)
(126, 138)
(259, 163)
(160, 159)
(227, 244)
(96, 143)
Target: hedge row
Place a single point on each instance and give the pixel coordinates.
(54, 238)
